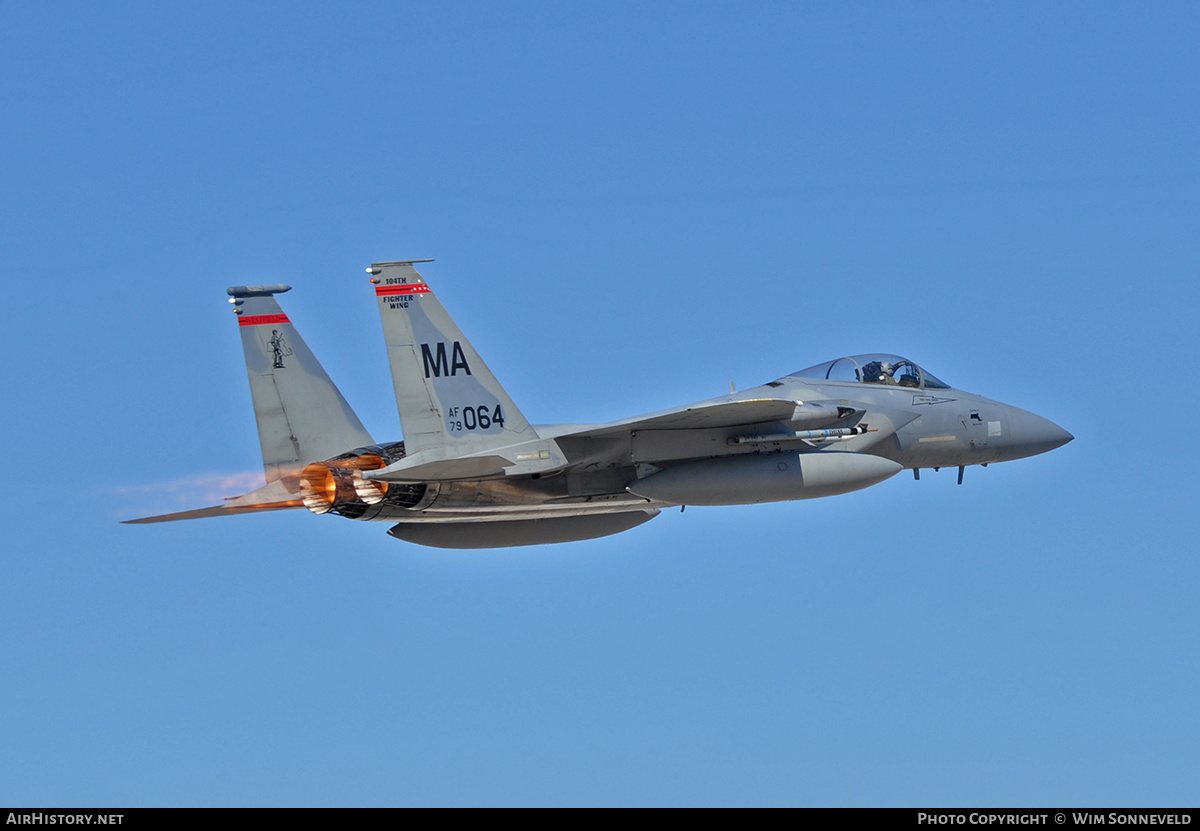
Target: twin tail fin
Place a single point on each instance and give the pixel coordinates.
(302, 416)
(450, 403)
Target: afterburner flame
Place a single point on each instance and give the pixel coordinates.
(370, 492)
(318, 487)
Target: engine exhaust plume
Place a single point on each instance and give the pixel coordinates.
(318, 487)
(370, 492)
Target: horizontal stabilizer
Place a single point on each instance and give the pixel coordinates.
(443, 470)
(535, 457)
(216, 510)
(272, 496)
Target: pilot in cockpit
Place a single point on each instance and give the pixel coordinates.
(884, 372)
(879, 372)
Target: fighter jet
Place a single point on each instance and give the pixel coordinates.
(472, 472)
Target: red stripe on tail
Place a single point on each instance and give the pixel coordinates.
(413, 288)
(258, 320)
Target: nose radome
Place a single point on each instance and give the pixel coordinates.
(1061, 436)
(1034, 434)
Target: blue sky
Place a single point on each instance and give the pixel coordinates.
(630, 205)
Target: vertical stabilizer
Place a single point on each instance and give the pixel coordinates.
(302, 417)
(450, 403)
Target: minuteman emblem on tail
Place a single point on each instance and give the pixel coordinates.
(301, 415)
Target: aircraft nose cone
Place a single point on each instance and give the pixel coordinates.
(1035, 434)
(1061, 436)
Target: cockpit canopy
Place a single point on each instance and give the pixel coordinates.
(888, 370)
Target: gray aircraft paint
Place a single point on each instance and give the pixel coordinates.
(452, 485)
(773, 477)
(542, 531)
(450, 403)
(301, 415)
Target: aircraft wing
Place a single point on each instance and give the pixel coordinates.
(708, 415)
(720, 427)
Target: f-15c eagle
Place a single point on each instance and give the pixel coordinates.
(472, 472)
